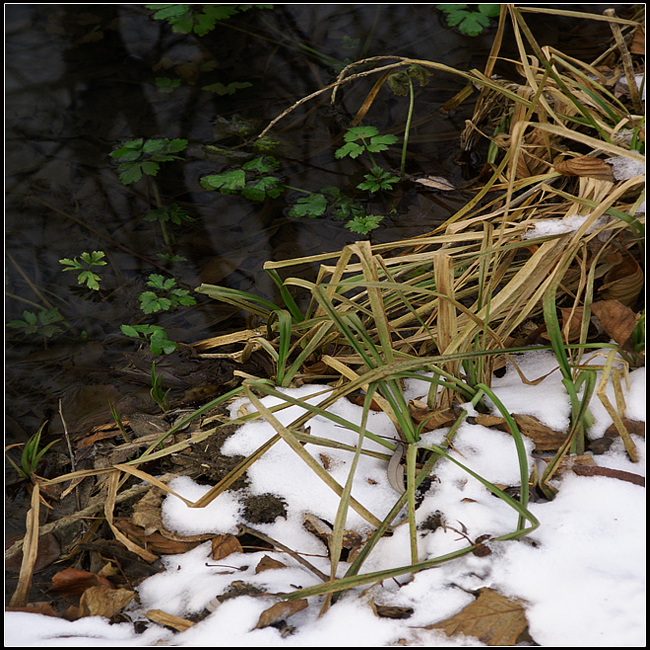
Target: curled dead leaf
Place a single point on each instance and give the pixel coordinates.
(586, 166)
(434, 419)
(545, 438)
(104, 601)
(267, 563)
(435, 183)
(492, 618)
(75, 581)
(624, 281)
(616, 319)
(224, 545)
(280, 611)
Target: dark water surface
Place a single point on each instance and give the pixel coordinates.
(80, 80)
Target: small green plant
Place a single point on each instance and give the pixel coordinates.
(45, 323)
(172, 213)
(364, 224)
(254, 180)
(185, 19)
(378, 179)
(470, 22)
(155, 335)
(166, 84)
(331, 200)
(257, 179)
(230, 89)
(159, 396)
(365, 139)
(31, 455)
(140, 156)
(167, 296)
(85, 268)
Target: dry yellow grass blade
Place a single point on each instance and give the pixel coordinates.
(20, 597)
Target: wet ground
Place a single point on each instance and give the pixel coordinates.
(81, 79)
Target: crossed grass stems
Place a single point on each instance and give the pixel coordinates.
(445, 307)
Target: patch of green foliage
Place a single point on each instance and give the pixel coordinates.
(165, 297)
(155, 335)
(230, 89)
(45, 323)
(470, 22)
(31, 455)
(140, 156)
(85, 268)
(360, 139)
(197, 19)
(172, 213)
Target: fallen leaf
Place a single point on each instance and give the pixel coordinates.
(267, 563)
(434, 419)
(624, 281)
(104, 601)
(616, 319)
(225, 545)
(391, 611)
(637, 46)
(545, 438)
(621, 475)
(280, 611)
(586, 166)
(75, 581)
(436, 183)
(491, 618)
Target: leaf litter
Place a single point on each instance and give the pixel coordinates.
(258, 574)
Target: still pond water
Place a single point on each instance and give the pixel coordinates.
(81, 79)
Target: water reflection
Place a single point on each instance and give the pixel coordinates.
(82, 78)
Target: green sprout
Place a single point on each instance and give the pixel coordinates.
(364, 139)
(172, 213)
(154, 334)
(253, 180)
(151, 302)
(85, 267)
(378, 179)
(44, 323)
(161, 398)
(364, 224)
(469, 22)
(140, 156)
(31, 455)
(167, 85)
(184, 19)
(230, 89)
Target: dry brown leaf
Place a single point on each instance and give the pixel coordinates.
(435, 419)
(163, 618)
(491, 618)
(391, 611)
(159, 542)
(75, 581)
(267, 563)
(586, 166)
(104, 601)
(624, 281)
(280, 611)
(637, 46)
(436, 183)
(545, 438)
(224, 545)
(621, 475)
(617, 320)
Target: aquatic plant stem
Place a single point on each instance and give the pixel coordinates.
(407, 128)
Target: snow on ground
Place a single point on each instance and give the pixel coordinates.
(583, 577)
